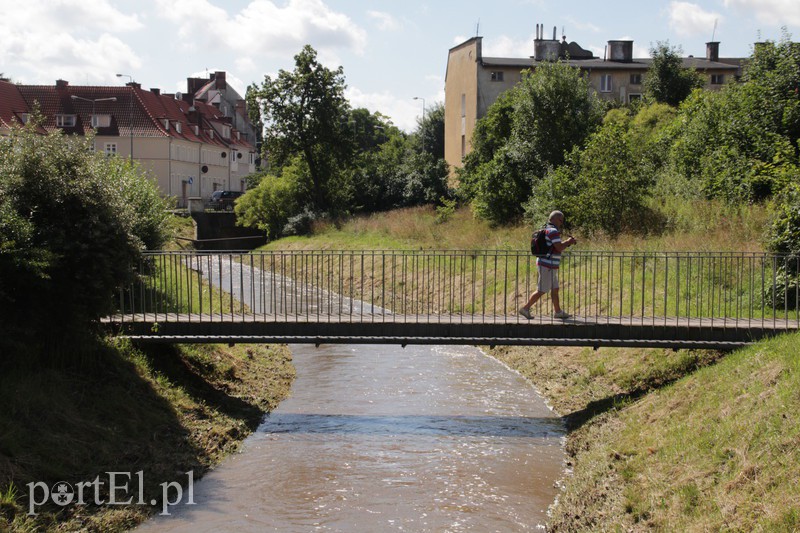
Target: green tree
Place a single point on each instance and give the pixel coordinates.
(554, 111)
(429, 134)
(491, 134)
(602, 187)
(523, 136)
(741, 144)
(667, 80)
(306, 113)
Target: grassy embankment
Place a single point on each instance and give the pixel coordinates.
(162, 410)
(659, 440)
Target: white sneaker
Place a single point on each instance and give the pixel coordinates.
(561, 314)
(526, 313)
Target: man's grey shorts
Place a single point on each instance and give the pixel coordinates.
(548, 279)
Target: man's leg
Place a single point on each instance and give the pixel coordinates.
(556, 301)
(533, 299)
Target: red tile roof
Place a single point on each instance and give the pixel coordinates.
(134, 108)
(12, 105)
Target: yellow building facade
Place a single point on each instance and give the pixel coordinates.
(473, 82)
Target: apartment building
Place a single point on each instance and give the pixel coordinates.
(189, 146)
(473, 81)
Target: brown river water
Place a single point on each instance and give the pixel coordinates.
(385, 438)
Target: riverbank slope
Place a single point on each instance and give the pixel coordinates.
(161, 410)
(658, 440)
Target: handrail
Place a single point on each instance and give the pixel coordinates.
(453, 285)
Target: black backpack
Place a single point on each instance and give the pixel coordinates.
(539, 246)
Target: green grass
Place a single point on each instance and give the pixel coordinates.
(717, 450)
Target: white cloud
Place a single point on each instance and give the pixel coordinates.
(778, 12)
(504, 46)
(580, 26)
(71, 39)
(263, 28)
(688, 19)
(385, 21)
(402, 111)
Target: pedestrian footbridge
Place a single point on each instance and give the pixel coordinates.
(625, 299)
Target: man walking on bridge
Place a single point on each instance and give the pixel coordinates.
(548, 266)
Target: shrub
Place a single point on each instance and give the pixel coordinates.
(271, 204)
(73, 224)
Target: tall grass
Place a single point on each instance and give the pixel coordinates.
(167, 285)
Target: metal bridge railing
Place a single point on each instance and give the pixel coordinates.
(455, 285)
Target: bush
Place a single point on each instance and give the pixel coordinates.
(271, 204)
(600, 188)
(72, 226)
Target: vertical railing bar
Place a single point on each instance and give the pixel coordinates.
(774, 288)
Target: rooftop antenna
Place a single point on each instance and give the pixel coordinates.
(714, 33)
(478, 28)
(563, 34)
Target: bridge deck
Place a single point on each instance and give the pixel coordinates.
(318, 328)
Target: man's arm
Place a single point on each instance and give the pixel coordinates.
(563, 245)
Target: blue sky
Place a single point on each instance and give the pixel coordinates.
(391, 50)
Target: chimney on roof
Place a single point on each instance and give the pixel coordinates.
(712, 51)
(620, 51)
(61, 84)
(156, 92)
(220, 81)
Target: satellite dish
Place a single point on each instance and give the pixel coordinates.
(178, 95)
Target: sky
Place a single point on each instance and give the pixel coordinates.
(391, 50)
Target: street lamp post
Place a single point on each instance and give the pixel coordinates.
(93, 101)
(130, 110)
(422, 129)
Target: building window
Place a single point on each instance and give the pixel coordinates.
(463, 147)
(717, 79)
(463, 105)
(605, 83)
(101, 121)
(111, 149)
(636, 79)
(179, 127)
(497, 75)
(65, 121)
(634, 97)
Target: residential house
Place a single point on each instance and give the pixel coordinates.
(189, 147)
(473, 82)
(217, 92)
